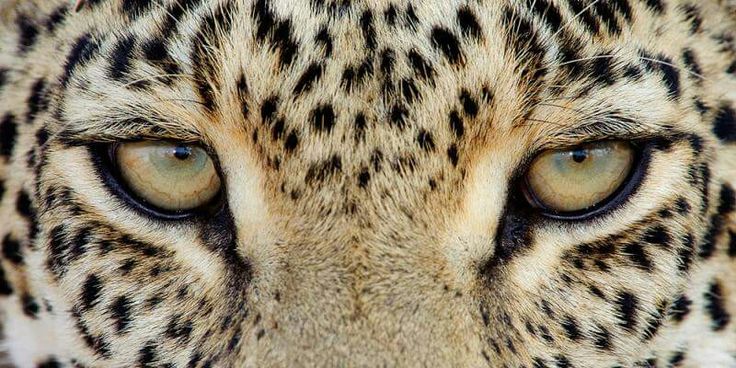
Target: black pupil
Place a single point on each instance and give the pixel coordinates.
(579, 155)
(182, 152)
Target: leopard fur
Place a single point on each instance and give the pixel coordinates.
(369, 150)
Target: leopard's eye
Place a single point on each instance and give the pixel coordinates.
(578, 179)
(173, 177)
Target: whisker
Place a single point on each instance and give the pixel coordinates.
(574, 18)
(157, 76)
(182, 100)
(662, 62)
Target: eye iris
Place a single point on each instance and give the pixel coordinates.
(579, 178)
(172, 177)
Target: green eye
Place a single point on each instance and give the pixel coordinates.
(578, 178)
(175, 177)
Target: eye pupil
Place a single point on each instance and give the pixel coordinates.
(182, 152)
(579, 155)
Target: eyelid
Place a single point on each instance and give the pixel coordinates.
(114, 131)
(603, 128)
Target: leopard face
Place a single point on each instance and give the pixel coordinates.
(369, 200)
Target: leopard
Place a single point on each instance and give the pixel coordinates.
(368, 183)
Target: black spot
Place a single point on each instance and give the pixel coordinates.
(120, 312)
(570, 325)
(584, 13)
(390, 15)
(321, 171)
(369, 33)
(548, 12)
(3, 78)
(291, 142)
(469, 23)
(456, 124)
(692, 15)
(409, 91)
(425, 140)
(422, 69)
(632, 72)
(603, 70)
(539, 363)
(90, 291)
(677, 359)
(175, 11)
(82, 52)
(636, 253)
(727, 200)
(410, 17)
(178, 330)
(608, 16)
(156, 52)
(360, 125)
(56, 17)
(715, 305)
(671, 78)
(627, 308)
(691, 62)
(685, 255)
(398, 116)
(147, 355)
(30, 306)
(8, 134)
(277, 129)
(323, 38)
(453, 155)
(682, 206)
(724, 125)
(27, 33)
(602, 338)
(23, 205)
(50, 363)
(623, 8)
(268, 108)
(234, 341)
(348, 78)
(323, 118)
(278, 32)
(388, 60)
(310, 76)
(135, 8)
(5, 287)
(364, 178)
(470, 105)
(121, 58)
(680, 308)
(563, 362)
(37, 100)
(11, 250)
(652, 326)
(732, 244)
(708, 245)
(658, 235)
(656, 6)
(445, 41)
